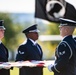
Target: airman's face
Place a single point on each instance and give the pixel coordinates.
(66, 30)
(1, 33)
(33, 35)
(62, 30)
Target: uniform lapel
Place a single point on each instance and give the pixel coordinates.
(35, 48)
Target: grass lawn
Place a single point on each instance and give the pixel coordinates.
(45, 72)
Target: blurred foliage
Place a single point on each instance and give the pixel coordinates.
(74, 32)
(11, 39)
(53, 30)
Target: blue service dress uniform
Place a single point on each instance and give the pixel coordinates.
(4, 58)
(28, 51)
(65, 57)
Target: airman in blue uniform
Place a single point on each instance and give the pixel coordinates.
(65, 62)
(3, 51)
(30, 50)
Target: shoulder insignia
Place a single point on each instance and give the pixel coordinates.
(62, 53)
(21, 52)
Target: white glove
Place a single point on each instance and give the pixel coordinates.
(7, 67)
(49, 67)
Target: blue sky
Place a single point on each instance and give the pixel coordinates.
(21, 6)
